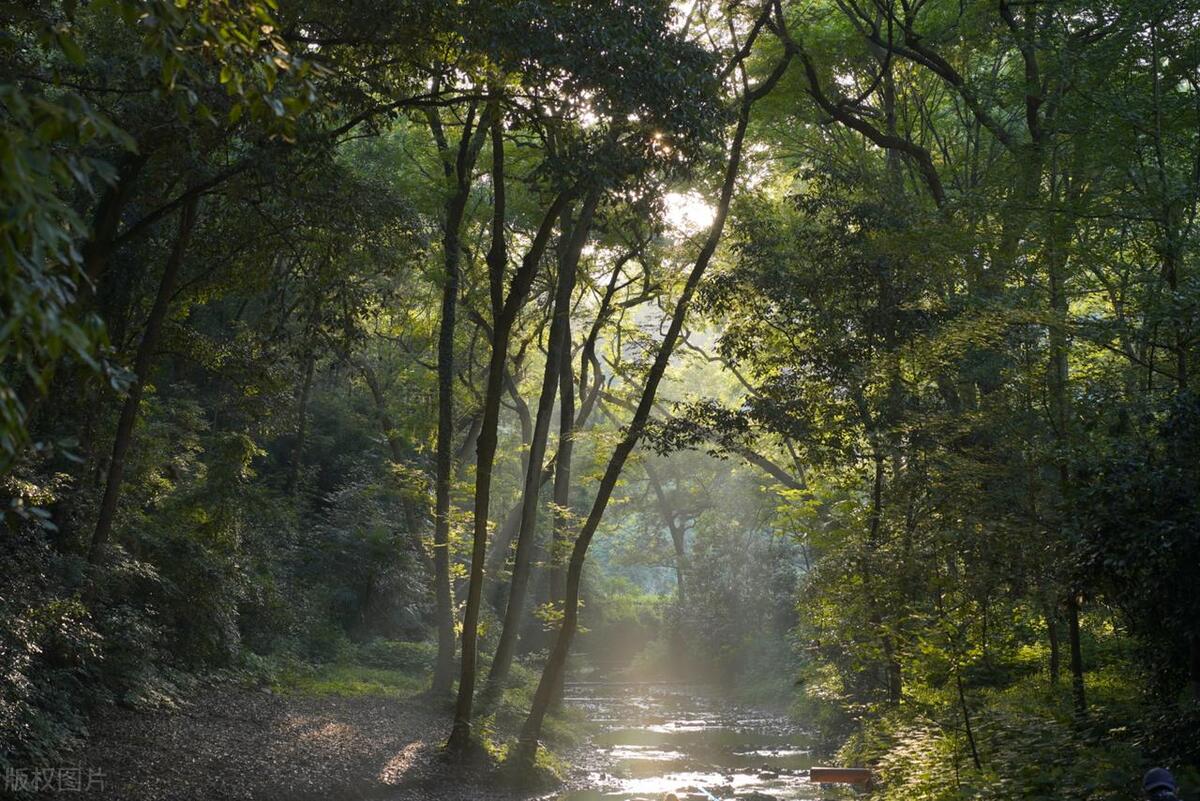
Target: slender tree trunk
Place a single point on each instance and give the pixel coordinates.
(502, 541)
(892, 668)
(96, 253)
(677, 534)
(501, 548)
(485, 450)
(555, 356)
(524, 417)
(505, 310)
(458, 171)
(1077, 686)
(552, 675)
(462, 457)
(966, 712)
(443, 672)
(1059, 376)
(562, 469)
(1055, 648)
(141, 368)
(895, 672)
(507, 531)
(568, 425)
(98, 248)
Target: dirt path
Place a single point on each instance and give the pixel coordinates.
(255, 745)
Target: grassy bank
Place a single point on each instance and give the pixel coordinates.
(1009, 733)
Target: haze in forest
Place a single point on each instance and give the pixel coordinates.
(538, 399)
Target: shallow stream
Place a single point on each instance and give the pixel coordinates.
(659, 739)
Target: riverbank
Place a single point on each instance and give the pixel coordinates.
(239, 743)
(347, 733)
(338, 731)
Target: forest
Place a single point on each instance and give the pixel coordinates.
(621, 399)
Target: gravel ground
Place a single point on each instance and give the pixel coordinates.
(234, 744)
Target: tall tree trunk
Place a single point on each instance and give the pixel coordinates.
(462, 457)
(562, 469)
(1055, 648)
(141, 369)
(443, 671)
(458, 171)
(893, 672)
(570, 422)
(568, 425)
(507, 532)
(485, 450)
(677, 533)
(501, 548)
(1059, 376)
(502, 541)
(1077, 686)
(555, 355)
(573, 421)
(504, 310)
(524, 417)
(99, 246)
(555, 668)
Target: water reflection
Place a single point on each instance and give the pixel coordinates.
(659, 739)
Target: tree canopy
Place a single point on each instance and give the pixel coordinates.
(842, 351)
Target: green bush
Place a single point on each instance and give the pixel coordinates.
(1030, 747)
(51, 654)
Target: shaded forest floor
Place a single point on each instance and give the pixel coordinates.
(236, 743)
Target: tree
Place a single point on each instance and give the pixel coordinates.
(552, 675)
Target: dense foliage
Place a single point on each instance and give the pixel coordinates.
(859, 337)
